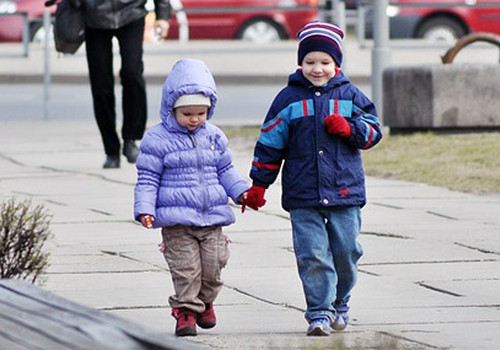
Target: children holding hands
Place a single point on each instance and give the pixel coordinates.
(313, 133)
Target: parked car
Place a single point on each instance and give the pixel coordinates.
(254, 20)
(447, 23)
(11, 26)
(441, 22)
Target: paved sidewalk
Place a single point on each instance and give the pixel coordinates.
(430, 277)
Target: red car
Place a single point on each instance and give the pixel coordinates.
(256, 20)
(11, 27)
(443, 22)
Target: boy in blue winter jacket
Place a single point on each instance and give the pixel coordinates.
(185, 176)
(316, 126)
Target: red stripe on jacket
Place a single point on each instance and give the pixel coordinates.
(370, 138)
(266, 166)
(272, 126)
(304, 108)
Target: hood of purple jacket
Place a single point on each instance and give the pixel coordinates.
(188, 76)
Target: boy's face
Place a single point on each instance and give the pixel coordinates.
(318, 67)
(191, 116)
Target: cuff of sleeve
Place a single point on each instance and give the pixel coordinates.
(163, 11)
(260, 184)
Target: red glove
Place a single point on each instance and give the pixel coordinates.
(254, 199)
(337, 125)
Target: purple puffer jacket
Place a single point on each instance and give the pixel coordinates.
(186, 177)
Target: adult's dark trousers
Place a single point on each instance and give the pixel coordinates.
(99, 46)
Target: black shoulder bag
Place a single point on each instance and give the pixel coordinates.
(69, 26)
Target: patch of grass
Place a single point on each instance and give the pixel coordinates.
(461, 162)
(236, 132)
(466, 162)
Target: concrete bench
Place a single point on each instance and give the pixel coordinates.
(32, 318)
(438, 96)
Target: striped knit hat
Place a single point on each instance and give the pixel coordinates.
(320, 36)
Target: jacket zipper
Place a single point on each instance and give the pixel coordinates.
(317, 124)
(200, 176)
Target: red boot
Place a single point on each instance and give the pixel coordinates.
(186, 322)
(207, 318)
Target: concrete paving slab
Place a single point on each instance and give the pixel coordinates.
(445, 270)
(381, 250)
(96, 263)
(472, 335)
(114, 289)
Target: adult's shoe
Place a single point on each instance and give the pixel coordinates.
(130, 150)
(111, 162)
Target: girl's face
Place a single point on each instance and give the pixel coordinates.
(318, 67)
(191, 116)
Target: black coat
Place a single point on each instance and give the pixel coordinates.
(114, 14)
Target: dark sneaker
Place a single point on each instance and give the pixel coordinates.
(130, 151)
(186, 322)
(207, 318)
(319, 326)
(341, 321)
(111, 162)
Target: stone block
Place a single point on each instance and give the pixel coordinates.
(444, 96)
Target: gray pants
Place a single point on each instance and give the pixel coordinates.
(195, 256)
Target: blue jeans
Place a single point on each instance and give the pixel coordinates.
(327, 254)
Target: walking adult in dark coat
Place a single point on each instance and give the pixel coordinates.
(125, 21)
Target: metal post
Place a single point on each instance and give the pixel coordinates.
(380, 52)
(361, 25)
(182, 19)
(339, 12)
(26, 34)
(46, 66)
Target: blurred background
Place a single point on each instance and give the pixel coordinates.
(273, 20)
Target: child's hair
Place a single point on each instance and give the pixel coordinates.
(319, 36)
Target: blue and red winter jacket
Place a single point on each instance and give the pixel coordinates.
(319, 169)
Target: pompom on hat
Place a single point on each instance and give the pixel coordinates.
(192, 100)
(320, 36)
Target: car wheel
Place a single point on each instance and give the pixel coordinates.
(261, 31)
(441, 29)
(37, 32)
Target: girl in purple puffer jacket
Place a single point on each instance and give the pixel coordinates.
(185, 176)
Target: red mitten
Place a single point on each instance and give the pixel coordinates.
(254, 199)
(337, 125)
